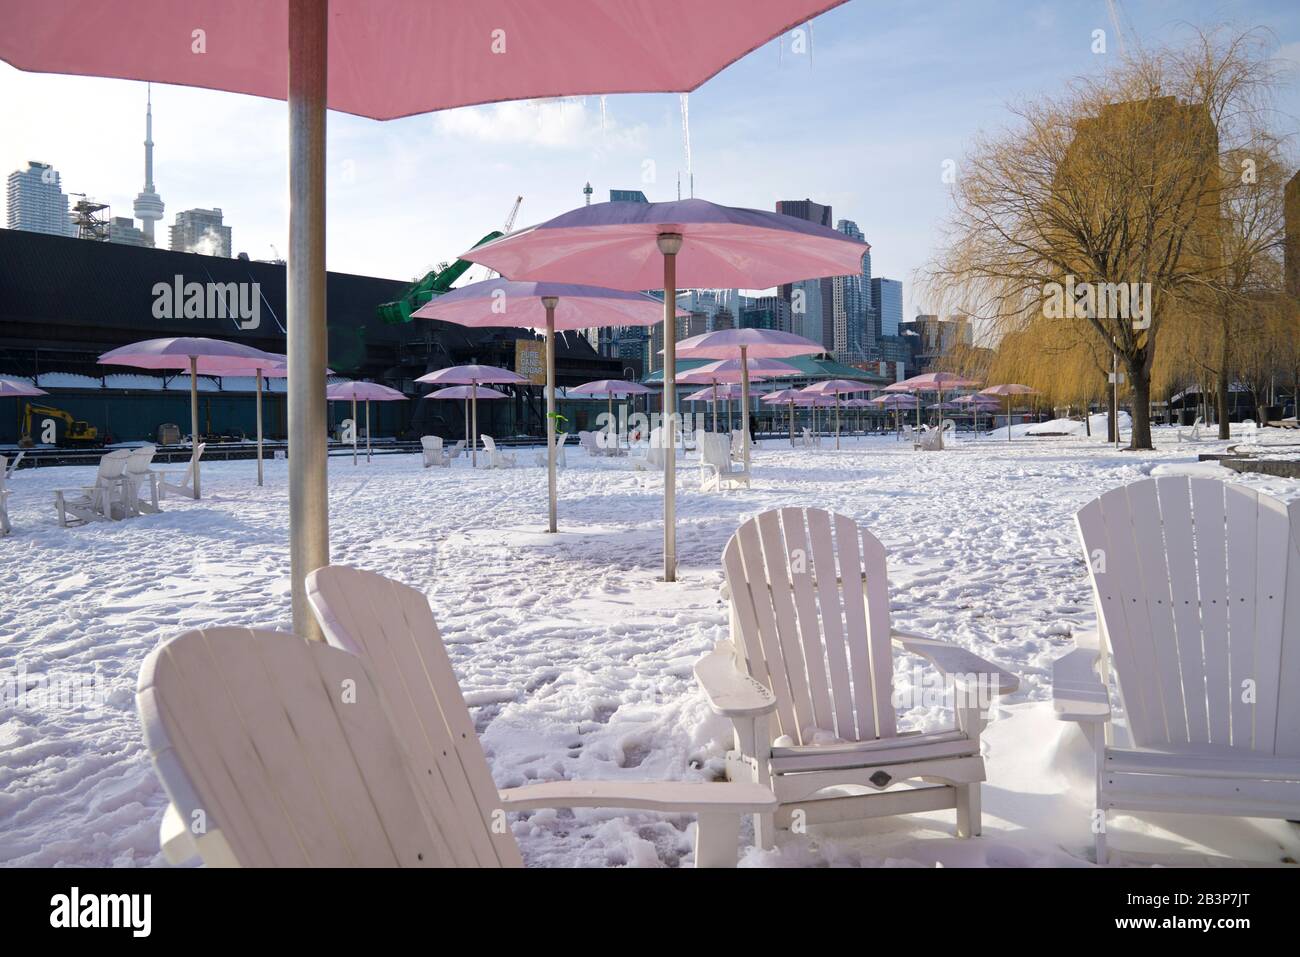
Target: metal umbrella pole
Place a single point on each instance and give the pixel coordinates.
(550, 302)
(354, 428)
(367, 431)
(259, 425)
(194, 421)
(744, 404)
(669, 245)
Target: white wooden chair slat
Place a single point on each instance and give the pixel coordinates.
(1274, 539)
(801, 670)
(768, 642)
(798, 561)
(858, 640)
(1212, 581)
(1153, 587)
(377, 620)
(875, 586)
(821, 556)
(1208, 682)
(1184, 598)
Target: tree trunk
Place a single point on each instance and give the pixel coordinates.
(1112, 415)
(1141, 411)
(1221, 410)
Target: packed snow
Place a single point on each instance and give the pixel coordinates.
(575, 660)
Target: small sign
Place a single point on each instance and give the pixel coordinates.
(530, 360)
(1115, 378)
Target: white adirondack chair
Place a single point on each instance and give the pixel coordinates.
(137, 475)
(913, 435)
(185, 484)
(1194, 435)
(5, 527)
(560, 460)
(1197, 588)
(737, 445)
(815, 648)
(100, 502)
(654, 453)
(929, 441)
(494, 458)
(716, 465)
(456, 450)
(587, 441)
(1249, 431)
(811, 441)
(359, 752)
(432, 451)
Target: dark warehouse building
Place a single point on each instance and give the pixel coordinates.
(65, 301)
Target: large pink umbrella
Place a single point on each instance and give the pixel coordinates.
(791, 396)
(473, 375)
(13, 388)
(836, 388)
(549, 306)
(939, 382)
(342, 55)
(610, 388)
(366, 392)
(471, 394)
(202, 356)
(732, 370)
(1008, 390)
(975, 404)
(691, 244)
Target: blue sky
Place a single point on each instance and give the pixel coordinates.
(891, 90)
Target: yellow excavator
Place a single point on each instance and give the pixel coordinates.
(75, 431)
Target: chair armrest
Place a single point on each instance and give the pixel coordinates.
(731, 692)
(957, 663)
(670, 797)
(1077, 692)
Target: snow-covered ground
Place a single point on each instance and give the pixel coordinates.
(575, 660)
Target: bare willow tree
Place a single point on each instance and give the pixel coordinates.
(1100, 207)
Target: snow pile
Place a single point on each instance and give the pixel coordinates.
(1064, 427)
(575, 659)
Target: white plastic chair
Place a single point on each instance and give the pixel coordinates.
(136, 475)
(431, 448)
(103, 501)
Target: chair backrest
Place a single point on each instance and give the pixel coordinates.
(586, 440)
(431, 443)
(4, 470)
(1197, 587)
(654, 455)
(285, 748)
(112, 464)
(458, 447)
(489, 443)
(391, 627)
(560, 439)
(140, 459)
(715, 450)
(737, 442)
(810, 601)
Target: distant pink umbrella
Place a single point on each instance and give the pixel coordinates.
(731, 370)
(689, 244)
(551, 307)
(201, 356)
(975, 404)
(13, 388)
(792, 396)
(382, 60)
(939, 382)
(836, 388)
(610, 388)
(1008, 390)
(472, 375)
(367, 392)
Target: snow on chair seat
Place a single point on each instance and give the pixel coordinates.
(812, 647)
(185, 485)
(1197, 588)
(391, 627)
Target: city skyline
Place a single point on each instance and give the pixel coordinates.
(410, 193)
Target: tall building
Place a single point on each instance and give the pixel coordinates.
(36, 201)
(200, 231)
(766, 312)
(122, 229)
(887, 306)
(149, 205)
(935, 337)
(853, 330)
(818, 325)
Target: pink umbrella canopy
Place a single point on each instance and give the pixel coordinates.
(896, 401)
(729, 391)
(503, 302)
(450, 54)
(610, 387)
(472, 375)
(13, 388)
(837, 387)
(1012, 388)
(932, 382)
(466, 392)
(756, 343)
(729, 370)
(210, 356)
(722, 247)
(363, 392)
(785, 395)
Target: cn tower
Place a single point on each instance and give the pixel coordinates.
(148, 205)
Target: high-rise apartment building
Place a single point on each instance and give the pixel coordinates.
(122, 229)
(36, 201)
(201, 231)
(853, 331)
(817, 325)
(887, 306)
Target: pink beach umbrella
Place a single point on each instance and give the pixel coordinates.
(690, 244)
(366, 392)
(731, 370)
(975, 404)
(610, 388)
(551, 307)
(340, 55)
(1008, 391)
(473, 375)
(471, 394)
(939, 382)
(836, 388)
(201, 356)
(14, 388)
(792, 396)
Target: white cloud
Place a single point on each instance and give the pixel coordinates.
(566, 123)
